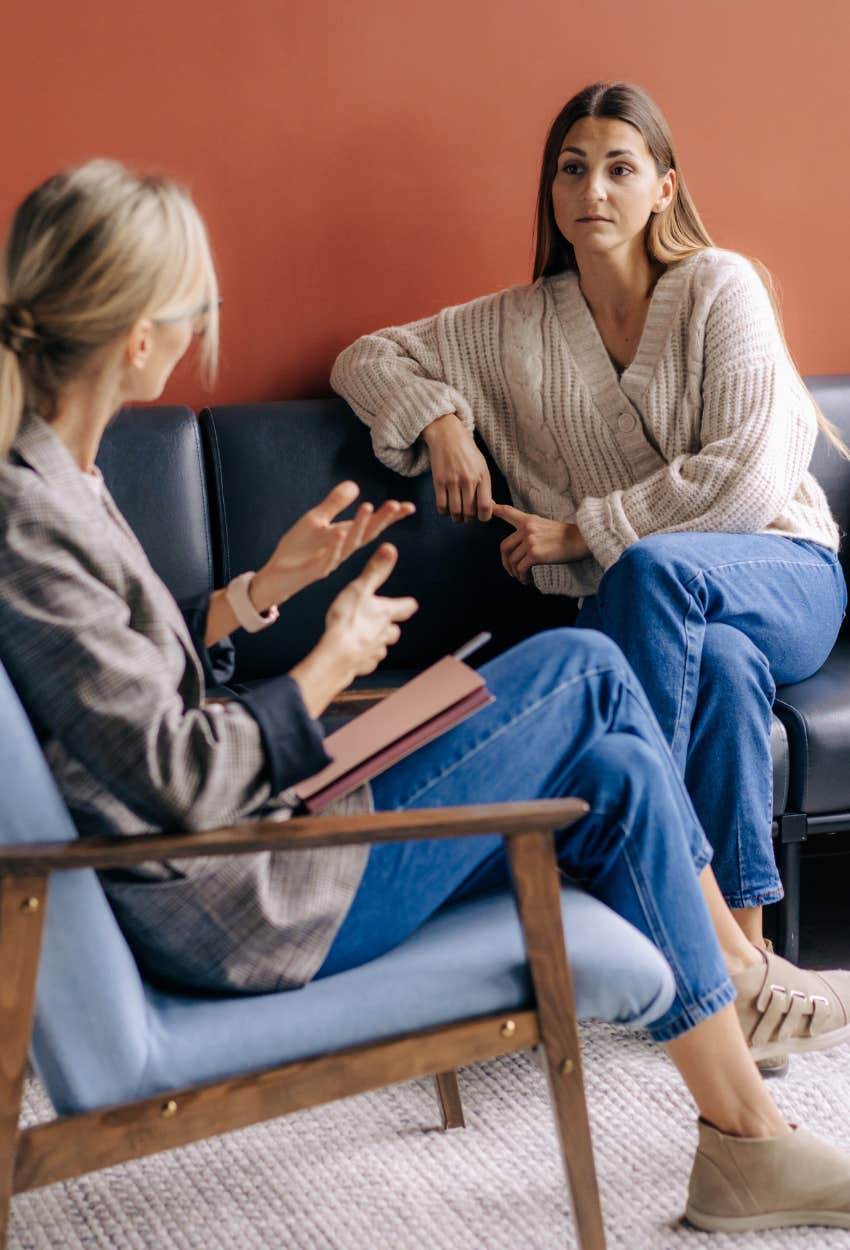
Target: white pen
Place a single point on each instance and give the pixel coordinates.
(474, 644)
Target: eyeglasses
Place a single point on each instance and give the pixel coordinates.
(200, 318)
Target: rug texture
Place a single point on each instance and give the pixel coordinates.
(374, 1173)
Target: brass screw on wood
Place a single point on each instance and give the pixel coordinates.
(508, 1028)
(566, 1067)
(30, 904)
(169, 1109)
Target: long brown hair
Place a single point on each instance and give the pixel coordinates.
(90, 252)
(672, 234)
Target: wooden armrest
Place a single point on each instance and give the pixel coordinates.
(509, 819)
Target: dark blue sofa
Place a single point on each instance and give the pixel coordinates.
(209, 497)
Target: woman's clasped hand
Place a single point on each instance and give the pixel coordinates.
(463, 490)
(537, 540)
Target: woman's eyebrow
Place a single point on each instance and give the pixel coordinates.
(613, 152)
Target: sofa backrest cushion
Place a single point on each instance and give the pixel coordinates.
(152, 461)
(832, 395)
(269, 463)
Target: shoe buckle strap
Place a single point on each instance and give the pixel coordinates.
(800, 1006)
(773, 1003)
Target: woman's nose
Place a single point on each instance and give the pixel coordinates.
(595, 187)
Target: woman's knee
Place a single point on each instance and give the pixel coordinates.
(579, 650)
(731, 663)
(645, 564)
(623, 780)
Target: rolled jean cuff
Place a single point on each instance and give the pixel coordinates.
(703, 856)
(756, 898)
(679, 1019)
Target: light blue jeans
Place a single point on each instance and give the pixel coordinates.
(711, 624)
(569, 719)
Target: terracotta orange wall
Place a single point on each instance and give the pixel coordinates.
(369, 161)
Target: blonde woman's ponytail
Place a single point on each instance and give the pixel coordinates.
(11, 398)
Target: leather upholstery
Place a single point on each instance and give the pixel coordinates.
(816, 712)
(781, 765)
(269, 463)
(151, 460)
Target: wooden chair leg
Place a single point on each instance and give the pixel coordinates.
(22, 901)
(448, 1093)
(537, 885)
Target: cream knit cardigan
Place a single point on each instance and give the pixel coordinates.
(709, 428)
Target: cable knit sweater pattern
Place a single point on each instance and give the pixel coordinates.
(709, 428)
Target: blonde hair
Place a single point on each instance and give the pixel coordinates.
(672, 234)
(90, 252)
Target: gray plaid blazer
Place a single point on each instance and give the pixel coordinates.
(104, 663)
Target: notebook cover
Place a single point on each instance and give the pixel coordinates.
(431, 692)
(397, 750)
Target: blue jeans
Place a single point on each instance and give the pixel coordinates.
(711, 624)
(569, 719)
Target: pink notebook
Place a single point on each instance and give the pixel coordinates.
(421, 710)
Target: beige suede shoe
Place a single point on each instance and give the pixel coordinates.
(739, 1184)
(776, 1066)
(788, 1010)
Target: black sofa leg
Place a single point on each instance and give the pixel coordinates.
(793, 830)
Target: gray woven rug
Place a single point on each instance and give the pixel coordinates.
(374, 1174)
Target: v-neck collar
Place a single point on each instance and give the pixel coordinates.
(591, 355)
(617, 398)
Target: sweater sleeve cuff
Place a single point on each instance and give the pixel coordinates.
(595, 519)
(292, 740)
(578, 579)
(217, 661)
(396, 433)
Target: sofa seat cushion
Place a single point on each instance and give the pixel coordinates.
(816, 715)
(781, 765)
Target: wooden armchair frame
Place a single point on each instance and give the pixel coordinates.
(70, 1146)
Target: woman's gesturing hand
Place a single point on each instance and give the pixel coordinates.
(361, 626)
(318, 544)
(461, 477)
(537, 541)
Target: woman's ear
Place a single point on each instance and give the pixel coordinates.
(666, 191)
(139, 344)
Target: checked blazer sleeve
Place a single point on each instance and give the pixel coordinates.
(108, 676)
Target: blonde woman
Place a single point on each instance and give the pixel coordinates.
(108, 278)
(655, 436)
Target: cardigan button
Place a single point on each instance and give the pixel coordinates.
(625, 422)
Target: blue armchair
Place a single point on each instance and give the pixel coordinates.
(133, 1068)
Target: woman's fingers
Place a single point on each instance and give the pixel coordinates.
(334, 502)
(388, 514)
(378, 568)
(484, 497)
(510, 544)
(454, 497)
(513, 516)
(355, 531)
(400, 609)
